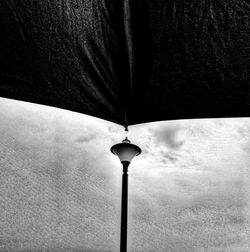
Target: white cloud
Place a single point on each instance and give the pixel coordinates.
(168, 135)
(60, 185)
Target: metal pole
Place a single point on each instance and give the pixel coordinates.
(124, 207)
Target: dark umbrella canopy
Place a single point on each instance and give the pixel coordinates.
(128, 61)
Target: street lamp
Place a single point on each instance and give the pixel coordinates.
(126, 152)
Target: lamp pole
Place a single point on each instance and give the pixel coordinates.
(124, 207)
(126, 152)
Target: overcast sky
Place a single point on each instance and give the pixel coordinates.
(60, 186)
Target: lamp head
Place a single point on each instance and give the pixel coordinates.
(125, 150)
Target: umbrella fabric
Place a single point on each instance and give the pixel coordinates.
(128, 61)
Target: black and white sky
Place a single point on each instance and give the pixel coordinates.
(60, 186)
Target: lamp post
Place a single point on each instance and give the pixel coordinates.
(126, 152)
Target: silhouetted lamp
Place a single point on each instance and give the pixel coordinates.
(126, 152)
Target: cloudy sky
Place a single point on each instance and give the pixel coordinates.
(60, 186)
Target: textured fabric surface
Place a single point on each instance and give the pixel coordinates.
(128, 61)
(62, 53)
